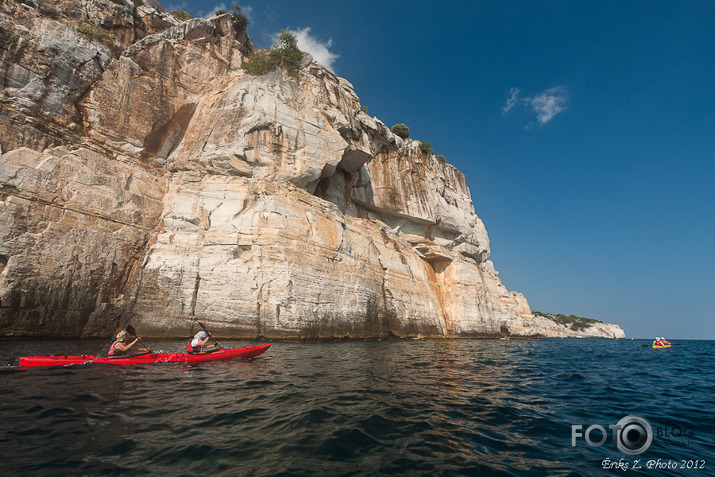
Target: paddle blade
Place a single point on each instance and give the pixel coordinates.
(131, 330)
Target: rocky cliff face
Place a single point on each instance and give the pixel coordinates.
(145, 177)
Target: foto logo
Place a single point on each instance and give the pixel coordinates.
(632, 435)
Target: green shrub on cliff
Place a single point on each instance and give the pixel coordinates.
(240, 21)
(426, 148)
(94, 34)
(288, 53)
(259, 63)
(576, 323)
(401, 130)
(181, 15)
(284, 55)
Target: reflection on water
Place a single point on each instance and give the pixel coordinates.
(424, 407)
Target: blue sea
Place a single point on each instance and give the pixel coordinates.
(413, 407)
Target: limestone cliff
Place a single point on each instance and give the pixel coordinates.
(145, 177)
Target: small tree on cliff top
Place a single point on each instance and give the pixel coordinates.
(284, 54)
(288, 53)
(401, 130)
(240, 21)
(426, 148)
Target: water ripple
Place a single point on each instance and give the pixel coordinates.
(362, 408)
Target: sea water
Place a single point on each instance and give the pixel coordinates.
(434, 407)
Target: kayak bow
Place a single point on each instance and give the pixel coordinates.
(148, 358)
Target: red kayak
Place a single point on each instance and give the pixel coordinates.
(148, 358)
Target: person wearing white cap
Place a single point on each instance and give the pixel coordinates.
(197, 343)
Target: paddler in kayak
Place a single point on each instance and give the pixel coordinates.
(121, 345)
(197, 344)
(661, 342)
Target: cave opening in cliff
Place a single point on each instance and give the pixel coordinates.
(335, 188)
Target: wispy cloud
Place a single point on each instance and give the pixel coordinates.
(549, 103)
(512, 101)
(545, 104)
(246, 10)
(320, 51)
(219, 6)
(174, 6)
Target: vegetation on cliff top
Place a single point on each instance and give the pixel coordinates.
(284, 55)
(181, 15)
(401, 130)
(426, 148)
(576, 323)
(240, 21)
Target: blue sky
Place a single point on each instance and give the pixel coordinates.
(586, 131)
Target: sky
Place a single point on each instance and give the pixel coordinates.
(586, 132)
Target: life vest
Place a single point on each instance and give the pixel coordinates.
(114, 351)
(191, 348)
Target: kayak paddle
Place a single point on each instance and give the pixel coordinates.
(133, 332)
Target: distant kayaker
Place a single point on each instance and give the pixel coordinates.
(660, 341)
(198, 342)
(121, 345)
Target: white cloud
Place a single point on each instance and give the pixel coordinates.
(173, 7)
(220, 6)
(545, 104)
(320, 51)
(512, 101)
(247, 10)
(549, 103)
